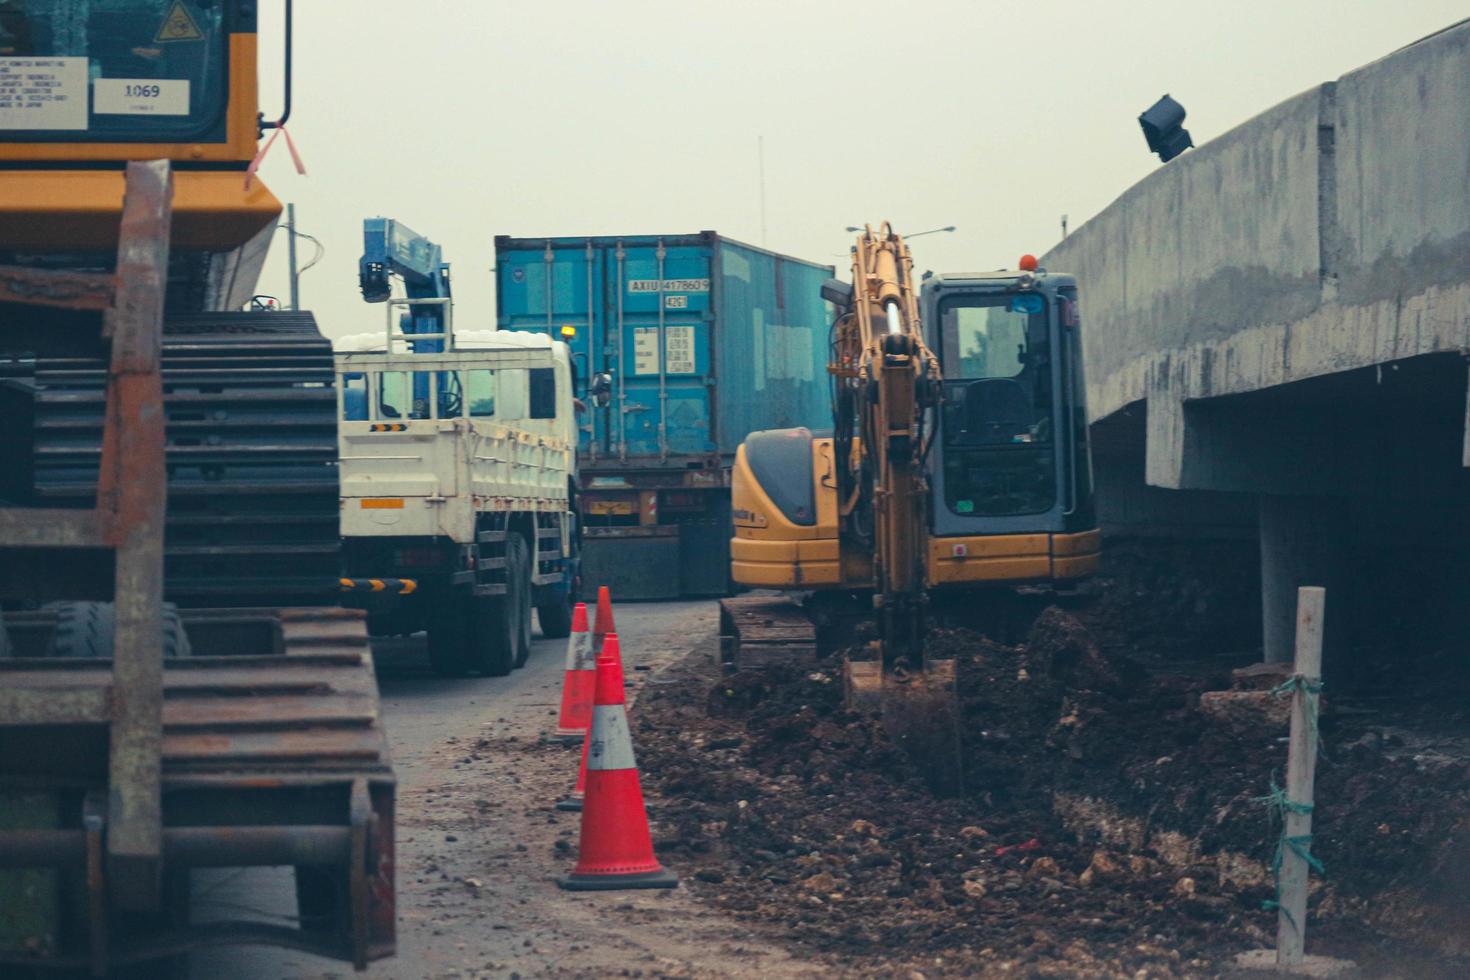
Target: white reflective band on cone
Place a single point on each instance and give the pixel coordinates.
(611, 746)
(579, 652)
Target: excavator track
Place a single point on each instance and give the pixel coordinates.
(757, 630)
(251, 454)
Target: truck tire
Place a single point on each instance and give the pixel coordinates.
(496, 653)
(89, 629)
(555, 618)
(451, 631)
(518, 596)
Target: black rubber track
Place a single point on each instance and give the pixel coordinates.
(252, 450)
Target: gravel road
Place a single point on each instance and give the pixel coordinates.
(479, 843)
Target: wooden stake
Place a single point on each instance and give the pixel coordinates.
(1301, 768)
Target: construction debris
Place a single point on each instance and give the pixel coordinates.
(1108, 824)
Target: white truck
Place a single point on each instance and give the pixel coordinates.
(458, 484)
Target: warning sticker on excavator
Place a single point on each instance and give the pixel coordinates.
(178, 25)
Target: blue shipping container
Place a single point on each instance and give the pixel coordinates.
(706, 339)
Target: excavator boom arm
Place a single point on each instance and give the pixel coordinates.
(892, 378)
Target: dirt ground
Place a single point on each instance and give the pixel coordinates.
(1106, 826)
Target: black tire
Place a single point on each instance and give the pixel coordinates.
(450, 634)
(518, 596)
(5, 650)
(497, 655)
(89, 629)
(556, 618)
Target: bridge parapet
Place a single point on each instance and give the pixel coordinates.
(1329, 233)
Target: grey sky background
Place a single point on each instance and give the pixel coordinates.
(467, 119)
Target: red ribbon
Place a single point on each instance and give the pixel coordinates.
(260, 156)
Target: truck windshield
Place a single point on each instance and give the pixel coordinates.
(997, 416)
(112, 70)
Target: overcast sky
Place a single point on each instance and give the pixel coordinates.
(468, 119)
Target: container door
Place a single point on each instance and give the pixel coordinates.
(663, 388)
(553, 288)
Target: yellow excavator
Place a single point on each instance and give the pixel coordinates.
(958, 464)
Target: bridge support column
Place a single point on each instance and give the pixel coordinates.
(1301, 544)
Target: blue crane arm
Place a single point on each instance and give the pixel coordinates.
(391, 248)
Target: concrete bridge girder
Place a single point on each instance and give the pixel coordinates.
(1289, 305)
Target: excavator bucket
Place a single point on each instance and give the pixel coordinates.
(920, 711)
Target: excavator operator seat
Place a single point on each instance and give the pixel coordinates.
(997, 410)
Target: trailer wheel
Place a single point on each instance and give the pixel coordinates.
(451, 633)
(89, 629)
(518, 596)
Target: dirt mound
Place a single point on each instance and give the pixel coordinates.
(1106, 826)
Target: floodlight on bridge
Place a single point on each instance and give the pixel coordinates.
(1163, 127)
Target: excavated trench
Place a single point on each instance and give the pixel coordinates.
(1110, 818)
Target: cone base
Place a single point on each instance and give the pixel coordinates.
(662, 878)
(570, 805)
(567, 737)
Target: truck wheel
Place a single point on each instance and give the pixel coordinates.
(518, 596)
(555, 618)
(89, 629)
(496, 655)
(450, 634)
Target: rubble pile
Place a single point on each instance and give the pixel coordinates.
(1105, 825)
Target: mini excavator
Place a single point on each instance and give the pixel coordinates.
(957, 469)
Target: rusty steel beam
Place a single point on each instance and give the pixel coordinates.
(36, 527)
(131, 499)
(56, 287)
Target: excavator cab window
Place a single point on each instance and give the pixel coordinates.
(114, 70)
(998, 426)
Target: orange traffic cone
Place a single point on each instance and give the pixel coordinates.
(580, 679)
(603, 625)
(616, 850)
(574, 802)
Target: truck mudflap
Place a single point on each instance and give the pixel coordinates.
(273, 757)
(637, 562)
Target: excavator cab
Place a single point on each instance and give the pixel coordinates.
(1010, 473)
(87, 85)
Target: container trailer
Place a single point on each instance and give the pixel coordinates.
(682, 345)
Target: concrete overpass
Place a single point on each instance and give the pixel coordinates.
(1277, 327)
